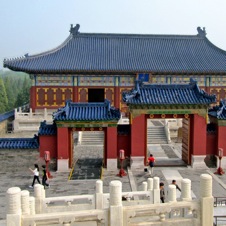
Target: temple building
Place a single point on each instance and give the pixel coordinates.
(139, 77)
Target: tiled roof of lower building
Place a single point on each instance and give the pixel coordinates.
(87, 112)
(126, 53)
(219, 111)
(167, 94)
(19, 143)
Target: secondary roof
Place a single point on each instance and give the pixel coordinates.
(167, 94)
(126, 53)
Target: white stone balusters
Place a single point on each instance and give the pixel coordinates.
(206, 200)
(99, 195)
(116, 210)
(186, 190)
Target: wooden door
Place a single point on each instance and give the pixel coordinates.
(186, 140)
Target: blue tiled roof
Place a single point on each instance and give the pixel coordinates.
(219, 111)
(19, 143)
(6, 115)
(47, 129)
(126, 53)
(167, 94)
(87, 112)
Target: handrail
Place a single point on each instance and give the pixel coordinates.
(219, 201)
(218, 218)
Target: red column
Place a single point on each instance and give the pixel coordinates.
(198, 134)
(138, 136)
(111, 143)
(33, 103)
(62, 143)
(75, 94)
(117, 97)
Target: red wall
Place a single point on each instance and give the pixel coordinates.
(211, 144)
(138, 136)
(124, 143)
(63, 143)
(198, 135)
(221, 143)
(111, 142)
(48, 143)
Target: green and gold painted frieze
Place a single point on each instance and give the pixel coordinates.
(73, 124)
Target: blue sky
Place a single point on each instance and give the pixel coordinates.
(29, 26)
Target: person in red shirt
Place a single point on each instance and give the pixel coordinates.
(151, 162)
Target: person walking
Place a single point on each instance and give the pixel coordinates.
(162, 192)
(151, 162)
(174, 182)
(36, 175)
(44, 177)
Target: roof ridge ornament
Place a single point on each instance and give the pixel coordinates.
(74, 30)
(201, 32)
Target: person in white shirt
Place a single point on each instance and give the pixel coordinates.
(36, 175)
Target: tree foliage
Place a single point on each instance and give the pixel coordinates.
(14, 90)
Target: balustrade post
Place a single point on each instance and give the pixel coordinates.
(32, 205)
(13, 196)
(30, 113)
(45, 114)
(99, 195)
(39, 196)
(172, 193)
(116, 211)
(150, 189)
(206, 200)
(186, 190)
(156, 190)
(25, 195)
(144, 186)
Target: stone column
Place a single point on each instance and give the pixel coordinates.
(156, 190)
(13, 197)
(116, 211)
(206, 200)
(186, 190)
(99, 195)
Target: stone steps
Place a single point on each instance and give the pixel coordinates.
(92, 138)
(156, 135)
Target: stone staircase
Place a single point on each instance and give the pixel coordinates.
(156, 135)
(92, 138)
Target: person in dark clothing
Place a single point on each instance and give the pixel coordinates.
(44, 177)
(162, 192)
(36, 175)
(174, 182)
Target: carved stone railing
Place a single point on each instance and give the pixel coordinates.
(109, 209)
(30, 121)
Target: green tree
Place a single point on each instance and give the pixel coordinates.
(24, 95)
(3, 97)
(10, 92)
